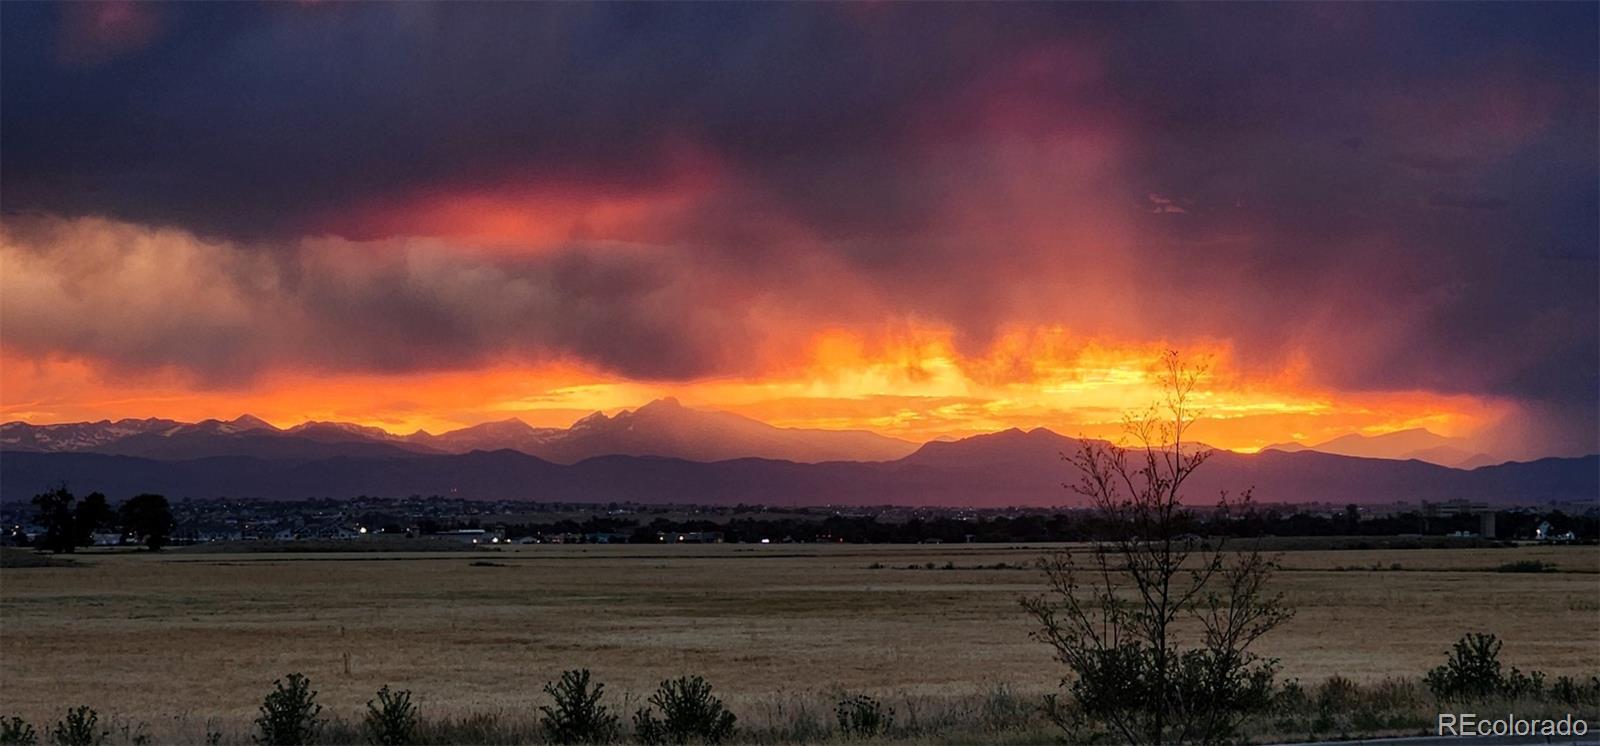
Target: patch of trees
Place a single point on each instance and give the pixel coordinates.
(148, 520)
(70, 523)
(67, 522)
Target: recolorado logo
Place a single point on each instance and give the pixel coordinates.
(1469, 724)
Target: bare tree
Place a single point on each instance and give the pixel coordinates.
(1154, 624)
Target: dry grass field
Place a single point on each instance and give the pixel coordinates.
(182, 638)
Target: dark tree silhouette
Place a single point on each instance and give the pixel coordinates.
(149, 518)
(55, 513)
(1114, 617)
(92, 514)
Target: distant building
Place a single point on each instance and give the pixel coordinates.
(1547, 533)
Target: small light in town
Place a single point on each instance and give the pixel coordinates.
(766, 541)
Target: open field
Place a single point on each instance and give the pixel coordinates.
(183, 637)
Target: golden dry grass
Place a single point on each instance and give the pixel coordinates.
(183, 637)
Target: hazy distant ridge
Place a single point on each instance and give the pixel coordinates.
(1415, 443)
(1007, 468)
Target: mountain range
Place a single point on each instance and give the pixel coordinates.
(661, 428)
(1415, 443)
(666, 453)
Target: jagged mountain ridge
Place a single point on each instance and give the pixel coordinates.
(661, 428)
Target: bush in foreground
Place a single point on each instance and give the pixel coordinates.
(1473, 672)
(391, 719)
(15, 731)
(577, 716)
(80, 728)
(289, 714)
(861, 716)
(690, 714)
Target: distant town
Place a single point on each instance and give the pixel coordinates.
(488, 523)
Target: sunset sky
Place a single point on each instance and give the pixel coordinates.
(923, 220)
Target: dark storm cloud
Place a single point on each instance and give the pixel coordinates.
(142, 299)
(1375, 187)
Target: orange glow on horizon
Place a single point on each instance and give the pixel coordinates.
(914, 385)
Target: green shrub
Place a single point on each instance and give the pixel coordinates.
(690, 713)
(1471, 672)
(80, 728)
(1210, 691)
(861, 716)
(15, 731)
(289, 714)
(577, 715)
(391, 719)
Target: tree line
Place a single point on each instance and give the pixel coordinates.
(70, 523)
